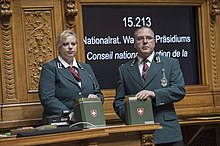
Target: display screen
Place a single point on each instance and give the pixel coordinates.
(108, 37)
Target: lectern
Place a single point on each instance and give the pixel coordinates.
(89, 112)
(138, 111)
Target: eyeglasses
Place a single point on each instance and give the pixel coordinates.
(142, 38)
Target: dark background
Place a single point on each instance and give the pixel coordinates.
(103, 21)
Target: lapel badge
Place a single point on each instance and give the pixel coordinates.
(163, 80)
(132, 63)
(158, 59)
(59, 65)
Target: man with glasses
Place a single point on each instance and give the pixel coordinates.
(159, 78)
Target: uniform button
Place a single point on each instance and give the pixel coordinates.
(80, 93)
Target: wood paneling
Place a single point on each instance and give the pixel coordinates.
(28, 41)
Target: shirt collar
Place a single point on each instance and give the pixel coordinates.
(150, 58)
(65, 64)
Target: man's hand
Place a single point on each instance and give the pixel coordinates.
(145, 94)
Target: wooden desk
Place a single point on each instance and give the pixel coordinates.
(119, 135)
(129, 135)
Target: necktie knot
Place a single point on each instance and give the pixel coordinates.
(74, 72)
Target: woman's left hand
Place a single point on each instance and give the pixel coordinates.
(92, 96)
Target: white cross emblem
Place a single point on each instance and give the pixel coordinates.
(140, 111)
(93, 112)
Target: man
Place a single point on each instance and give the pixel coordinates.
(161, 80)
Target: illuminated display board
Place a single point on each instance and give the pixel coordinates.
(108, 37)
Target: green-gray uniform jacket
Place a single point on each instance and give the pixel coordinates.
(58, 88)
(130, 83)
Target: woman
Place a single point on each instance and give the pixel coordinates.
(58, 87)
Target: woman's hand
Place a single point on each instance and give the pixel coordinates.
(92, 96)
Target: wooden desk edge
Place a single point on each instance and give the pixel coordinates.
(200, 120)
(55, 138)
(78, 135)
(132, 128)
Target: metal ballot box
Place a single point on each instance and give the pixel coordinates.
(89, 112)
(138, 111)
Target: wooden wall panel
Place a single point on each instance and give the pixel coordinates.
(21, 111)
(39, 22)
(28, 40)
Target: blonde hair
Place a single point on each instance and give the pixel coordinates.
(62, 37)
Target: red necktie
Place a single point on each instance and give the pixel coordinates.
(75, 73)
(145, 69)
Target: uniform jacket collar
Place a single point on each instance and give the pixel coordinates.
(155, 67)
(66, 73)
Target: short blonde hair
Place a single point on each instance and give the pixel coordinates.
(62, 37)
